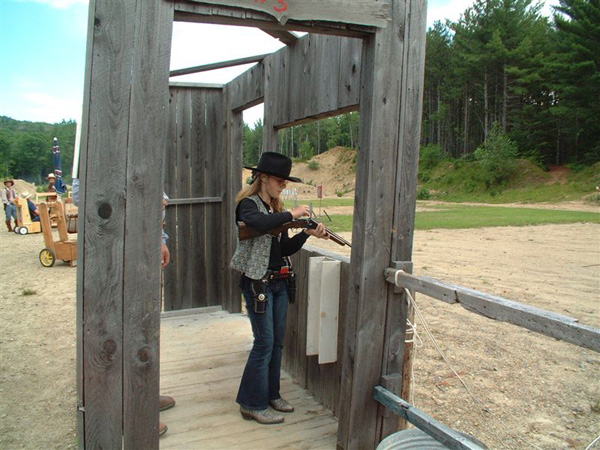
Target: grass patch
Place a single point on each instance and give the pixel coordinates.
(490, 216)
(541, 193)
(452, 217)
(28, 292)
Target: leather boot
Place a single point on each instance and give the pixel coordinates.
(162, 428)
(165, 402)
(9, 226)
(281, 405)
(266, 416)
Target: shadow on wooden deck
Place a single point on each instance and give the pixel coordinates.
(202, 360)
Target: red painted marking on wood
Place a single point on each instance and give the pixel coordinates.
(281, 8)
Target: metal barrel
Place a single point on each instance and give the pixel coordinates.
(415, 439)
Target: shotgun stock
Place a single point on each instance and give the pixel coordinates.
(245, 232)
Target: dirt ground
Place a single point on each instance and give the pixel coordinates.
(534, 391)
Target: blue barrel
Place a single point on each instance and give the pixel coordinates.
(415, 439)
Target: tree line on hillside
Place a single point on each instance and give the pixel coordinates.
(502, 70)
(26, 149)
(306, 140)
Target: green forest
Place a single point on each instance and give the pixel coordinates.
(26, 149)
(503, 79)
(502, 83)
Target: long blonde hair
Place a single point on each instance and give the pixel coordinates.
(254, 189)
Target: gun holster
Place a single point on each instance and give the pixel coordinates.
(259, 294)
(291, 286)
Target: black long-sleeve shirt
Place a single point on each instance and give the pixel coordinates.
(247, 211)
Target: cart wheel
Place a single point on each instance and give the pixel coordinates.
(47, 257)
(23, 231)
(16, 230)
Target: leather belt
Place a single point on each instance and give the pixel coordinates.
(282, 273)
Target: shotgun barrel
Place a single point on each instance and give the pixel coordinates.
(246, 232)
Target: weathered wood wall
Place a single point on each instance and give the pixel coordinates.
(317, 77)
(196, 181)
(322, 380)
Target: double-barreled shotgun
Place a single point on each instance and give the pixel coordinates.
(247, 233)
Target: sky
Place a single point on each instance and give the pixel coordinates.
(43, 45)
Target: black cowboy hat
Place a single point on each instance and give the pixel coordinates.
(275, 164)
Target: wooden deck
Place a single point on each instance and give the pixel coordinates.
(202, 360)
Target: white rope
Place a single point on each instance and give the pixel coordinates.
(441, 353)
(589, 447)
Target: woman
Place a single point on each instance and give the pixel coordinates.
(262, 261)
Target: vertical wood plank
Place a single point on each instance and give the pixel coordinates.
(301, 302)
(199, 154)
(349, 73)
(184, 219)
(325, 73)
(334, 387)
(83, 157)
(373, 234)
(406, 190)
(234, 177)
(273, 101)
(100, 265)
(148, 120)
(171, 282)
(215, 171)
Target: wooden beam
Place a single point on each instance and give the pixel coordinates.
(219, 65)
(203, 13)
(535, 319)
(195, 85)
(287, 37)
(192, 201)
(358, 12)
(424, 422)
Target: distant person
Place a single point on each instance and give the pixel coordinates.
(51, 182)
(9, 197)
(33, 209)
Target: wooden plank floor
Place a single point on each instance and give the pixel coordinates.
(202, 360)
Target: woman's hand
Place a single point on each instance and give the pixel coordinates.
(300, 211)
(318, 232)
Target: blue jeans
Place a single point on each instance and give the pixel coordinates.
(11, 211)
(260, 382)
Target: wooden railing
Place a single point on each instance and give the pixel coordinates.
(424, 422)
(535, 319)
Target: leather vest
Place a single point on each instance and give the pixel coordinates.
(251, 256)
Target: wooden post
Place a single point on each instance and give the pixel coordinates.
(384, 212)
(125, 118)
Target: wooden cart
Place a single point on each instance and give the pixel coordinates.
(65, 248)
(24, 223)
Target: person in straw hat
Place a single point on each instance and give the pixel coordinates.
(266, 277)
(9, 197)
(51, 182)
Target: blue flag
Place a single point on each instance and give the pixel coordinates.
(60, 185)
